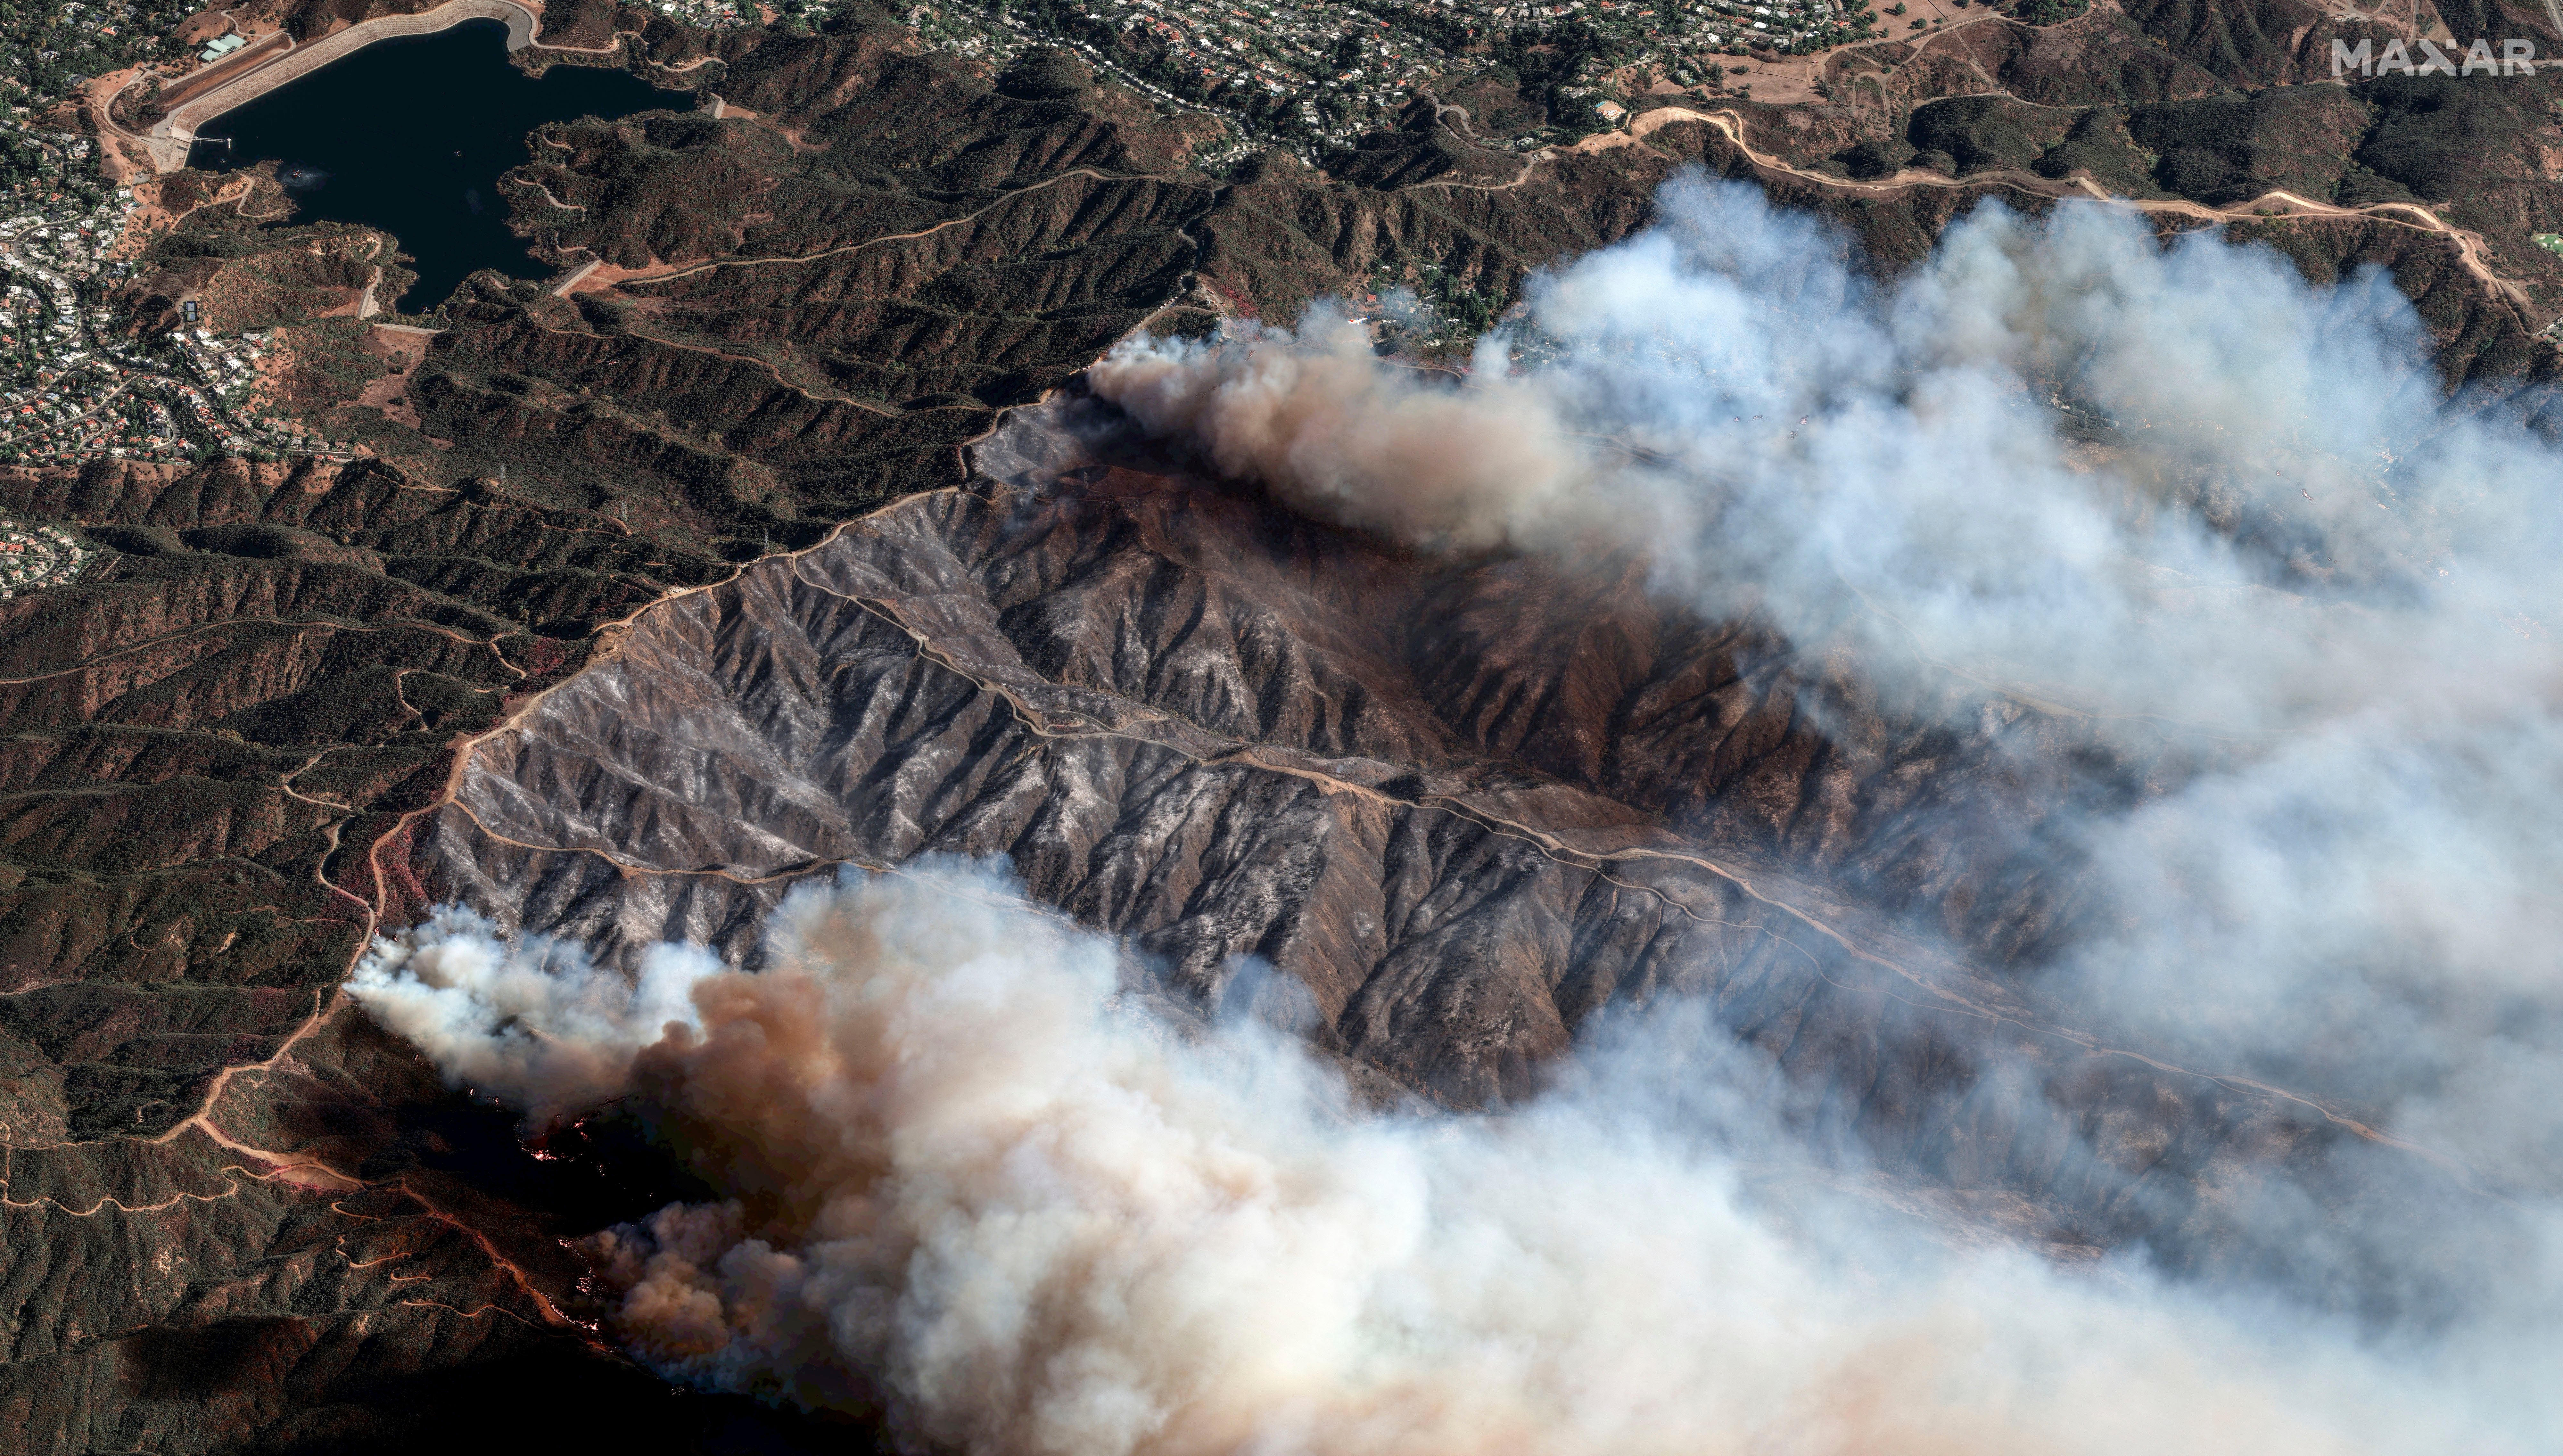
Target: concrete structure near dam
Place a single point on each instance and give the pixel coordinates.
(258, 69)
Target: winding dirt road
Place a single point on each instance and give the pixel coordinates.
(621, 277)
(2276, 203)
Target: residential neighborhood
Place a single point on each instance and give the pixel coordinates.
(47, 48)
(74, 384)
(708, 13)
(1316, 75)
(78, 383)
(38, 556)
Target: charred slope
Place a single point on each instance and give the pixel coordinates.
(1457, 833)
(235, 1217)
(1447, 836)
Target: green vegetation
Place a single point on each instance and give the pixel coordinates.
(2251, 43)
(2431, 134)
(48, 170)
(1978, 134)
(2098, 146)
(1429, 309)
(2049, 12)
(2233, 147)
(2474, 148)
(47, 48)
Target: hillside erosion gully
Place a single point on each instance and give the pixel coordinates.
(390, 898)
(1635, 864)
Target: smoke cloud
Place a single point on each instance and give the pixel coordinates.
(2215, 522)
(2189, 513)
(537, 1024)
(979, 1186)
(2281, 519)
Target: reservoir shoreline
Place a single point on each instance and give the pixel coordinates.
(415, 133)
(266, 67)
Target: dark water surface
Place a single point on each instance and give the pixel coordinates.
(410, 135)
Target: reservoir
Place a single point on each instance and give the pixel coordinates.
(410, 135)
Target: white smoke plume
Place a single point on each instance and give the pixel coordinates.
(2216, 522)
(2172, 498)
(537, 1023)
(1780, 436)
(977, 1189)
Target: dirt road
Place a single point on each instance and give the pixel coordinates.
(2272, 204)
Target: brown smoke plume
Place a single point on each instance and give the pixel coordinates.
(2172, 496)
(975, 1186)
(1314, 415)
